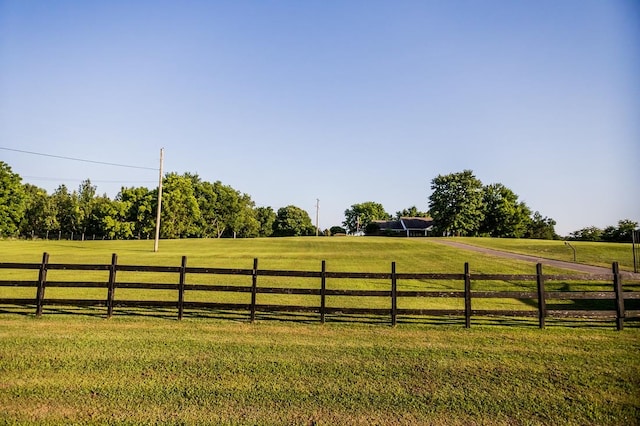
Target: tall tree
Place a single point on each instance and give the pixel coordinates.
(621, 233)
(292, 221)
(140, 209)
(359, 216)
(456, 203)
(266, 217)
(68, 214)
(504, 215)
(86, 195)
(12, 200)
(40, 214)
(180, 210)
(109, 219)
(244, 223)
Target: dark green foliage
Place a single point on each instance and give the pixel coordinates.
(12, 200)
(542, 228)
(504, 215)
(621, 234)
(411, 212)
(337, 230)
(360, 215)
(266, 217)
(461, 206)
(40, 215)
(617, 234)
(456, 203)
(190, 208)
(292, 221)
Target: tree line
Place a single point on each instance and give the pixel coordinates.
(191, 208)
(459, 205)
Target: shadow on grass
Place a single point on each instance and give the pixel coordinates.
(338, 318)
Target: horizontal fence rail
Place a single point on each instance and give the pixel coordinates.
(539, 297)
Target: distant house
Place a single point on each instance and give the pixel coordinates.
(405, 226)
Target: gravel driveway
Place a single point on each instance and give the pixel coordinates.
(587, 269)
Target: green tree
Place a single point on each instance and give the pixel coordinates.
(180, 210)
(207, 196)
(67, 208)
(456, 203)
(411, 212)
(590, 233)
(337, 230)
(266, 217)
(140, 206)
(244, 223)
(359, 216)
(504, 215)
(108, 219)
(292, 221)
(621, 233)
(40, 214)
(12, 201)
(86, 195)
(542, 228)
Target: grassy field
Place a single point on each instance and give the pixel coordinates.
(590, 253)
(147, 368)
(341, 254)
(85, 370)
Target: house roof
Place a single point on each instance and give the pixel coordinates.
(405, 223)
(384, 225)
(416, 222)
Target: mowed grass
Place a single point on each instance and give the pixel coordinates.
(145, 367)
(86, 370)
(368, 254)
(590, 253)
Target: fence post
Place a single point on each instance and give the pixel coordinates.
(467, 296)
(183, 275)
(112, 284)
(323, 291)
(542, 303)
(254, 289)
(42, 279)
(394, 295)
(617, 287)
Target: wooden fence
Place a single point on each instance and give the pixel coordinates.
(539, 297)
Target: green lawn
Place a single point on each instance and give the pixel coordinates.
(71, 366)
(75, 369)
(370, 254)
(341, 254)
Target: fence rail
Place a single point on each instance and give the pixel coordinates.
(540, 296)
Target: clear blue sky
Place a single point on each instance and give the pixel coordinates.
(345, 101)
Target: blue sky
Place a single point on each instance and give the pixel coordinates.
(345, 101)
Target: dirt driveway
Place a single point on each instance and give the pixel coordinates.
(587, 269)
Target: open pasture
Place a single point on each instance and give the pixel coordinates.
(364, 255)
(71, 366)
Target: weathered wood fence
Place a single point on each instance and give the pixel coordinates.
(540, 297)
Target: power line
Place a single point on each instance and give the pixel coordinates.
(53, 179)
(77, 159)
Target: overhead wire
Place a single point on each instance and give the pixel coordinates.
(77, 159)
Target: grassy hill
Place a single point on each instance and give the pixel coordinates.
(369, 254)
(151, 369)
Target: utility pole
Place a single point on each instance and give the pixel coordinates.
(155, 244)
(317, 215)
